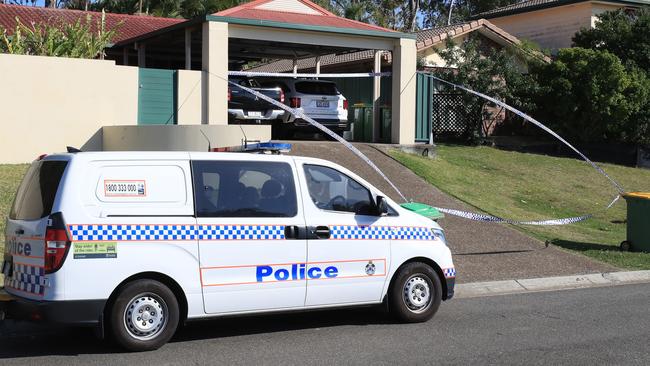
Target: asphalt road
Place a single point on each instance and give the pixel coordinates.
(597, 326)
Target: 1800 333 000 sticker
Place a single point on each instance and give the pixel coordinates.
(125, 188)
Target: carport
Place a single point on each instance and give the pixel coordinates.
(275, 29)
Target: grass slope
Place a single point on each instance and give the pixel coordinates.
(530, 187)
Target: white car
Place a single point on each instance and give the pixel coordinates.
(137, 243)
(318, 99)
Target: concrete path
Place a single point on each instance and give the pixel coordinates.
(482, 251)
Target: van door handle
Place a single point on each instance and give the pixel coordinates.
(291, 232)
(20, 232)
(322, 232)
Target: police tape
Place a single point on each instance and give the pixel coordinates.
(489, 218)
(536, 123)
(299, 114)
(464, 214)
(298, 75)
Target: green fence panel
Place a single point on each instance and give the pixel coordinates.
(423, 107)
(157, 97)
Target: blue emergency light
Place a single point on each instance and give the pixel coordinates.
(269, 147)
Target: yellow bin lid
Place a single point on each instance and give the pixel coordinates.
(642, 195)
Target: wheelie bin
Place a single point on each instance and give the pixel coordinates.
(638, 222)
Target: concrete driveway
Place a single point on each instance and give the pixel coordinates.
(482, 251)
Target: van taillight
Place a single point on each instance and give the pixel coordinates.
(281, 96)
(345, 104)
(56, 249)
(294, 102)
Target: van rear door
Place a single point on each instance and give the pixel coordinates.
(24, 257)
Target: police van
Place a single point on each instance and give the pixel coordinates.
(137, 243)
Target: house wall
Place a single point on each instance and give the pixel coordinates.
(48, 103)
(598, 8)
(550, 28)
(189, 97)
(431, 56)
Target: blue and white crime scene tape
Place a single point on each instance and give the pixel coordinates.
(464, 214)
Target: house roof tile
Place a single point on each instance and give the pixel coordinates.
(128, 26)
(318, 17)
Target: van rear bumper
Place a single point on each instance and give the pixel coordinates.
(72, 312)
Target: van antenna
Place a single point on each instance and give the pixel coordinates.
(206, 137)
(245, 142)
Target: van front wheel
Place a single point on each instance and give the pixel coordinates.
(415, 294)
(144, 315)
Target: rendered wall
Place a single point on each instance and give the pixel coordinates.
(550, 28)
(48, 103)
(180, 138)
(189, 97)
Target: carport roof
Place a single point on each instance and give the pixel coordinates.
(298, 15)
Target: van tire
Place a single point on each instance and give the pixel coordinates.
(424, 289)
(158, 325)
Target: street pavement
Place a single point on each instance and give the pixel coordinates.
(482, 251)
(595, 326)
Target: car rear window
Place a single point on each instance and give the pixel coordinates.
(316, 87)
(37, 191)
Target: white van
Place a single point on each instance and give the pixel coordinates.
(136, 243)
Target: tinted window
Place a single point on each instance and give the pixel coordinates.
(316, 87)
(332, 190)
(243, 189)
(37, 191)
(276, 84)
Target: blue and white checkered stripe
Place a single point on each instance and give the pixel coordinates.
(360, 232)
(132, 232)
(112, 232)
(380, 232)
(412, 233)
(27, 279)
(145, 232)
(449, 272)
(241, 232)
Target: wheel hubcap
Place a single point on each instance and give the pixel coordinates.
(417, 293)
(145, 316)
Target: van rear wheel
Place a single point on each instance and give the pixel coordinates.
(415, 294)
(144, 316)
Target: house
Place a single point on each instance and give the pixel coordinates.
(172, 75)
(552, 23)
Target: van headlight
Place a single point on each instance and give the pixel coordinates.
(440, 234)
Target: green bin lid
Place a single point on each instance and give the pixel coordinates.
(642, 195)
(423, 210)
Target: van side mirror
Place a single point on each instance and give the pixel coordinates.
(382, 206)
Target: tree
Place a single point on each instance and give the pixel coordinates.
(625, 34)
(436, 13)
(495, 72)
(589, 96)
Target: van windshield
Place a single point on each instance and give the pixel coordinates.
(37, 191)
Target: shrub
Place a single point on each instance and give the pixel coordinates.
(75, 40)
(588, 95)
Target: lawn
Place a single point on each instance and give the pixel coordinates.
(524, 186)
(10, 176)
